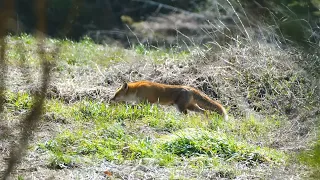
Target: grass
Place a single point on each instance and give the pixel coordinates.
(311, 157)
(93, 131)
(18, 101)
(120, 133)
(116, 134)
(159, 56)
(82, 53)
(21, 50)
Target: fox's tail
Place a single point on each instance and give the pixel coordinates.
(208, 104)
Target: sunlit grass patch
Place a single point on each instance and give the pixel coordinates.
(260, 130)
(311, 158)
(23, 50)
(18, 101)
(59, 161)
(112, 132)
(57, 106)
(121, 133)
(192, 142)
(86, 52)
(98, 111)
(159, 56)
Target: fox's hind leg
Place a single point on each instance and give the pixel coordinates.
(196, 108)
(182, 101)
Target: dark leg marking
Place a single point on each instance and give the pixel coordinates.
(182, 101)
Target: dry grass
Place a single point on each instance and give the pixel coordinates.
(270, 91)
(247, 89)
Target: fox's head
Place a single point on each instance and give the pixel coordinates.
(121, 93)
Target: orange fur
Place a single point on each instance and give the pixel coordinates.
(184, 97)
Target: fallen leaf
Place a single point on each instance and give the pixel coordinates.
(107, 173)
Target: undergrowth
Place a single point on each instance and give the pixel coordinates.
(118, 133)
(123, 133)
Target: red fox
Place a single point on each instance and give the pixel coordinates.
(183, 97)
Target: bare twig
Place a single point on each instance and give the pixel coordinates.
(31, 120)
(4, 16)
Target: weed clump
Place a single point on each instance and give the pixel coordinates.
(195, 143)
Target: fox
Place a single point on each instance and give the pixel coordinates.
(183, 97)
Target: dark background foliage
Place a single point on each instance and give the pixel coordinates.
(294, 16)
(94, 14)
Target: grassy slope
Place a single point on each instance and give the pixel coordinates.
(80, 130)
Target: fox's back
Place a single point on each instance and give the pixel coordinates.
(155, 92)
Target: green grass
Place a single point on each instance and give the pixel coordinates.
(22, 50)
(122, 133)
(311, 158)
(119, 133)
(159, 56)
(18, 101)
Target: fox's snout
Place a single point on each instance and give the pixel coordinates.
(115, 99)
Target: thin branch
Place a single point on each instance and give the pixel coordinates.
(5, 13)
(31, 121)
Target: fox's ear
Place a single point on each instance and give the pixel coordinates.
(125, 86)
